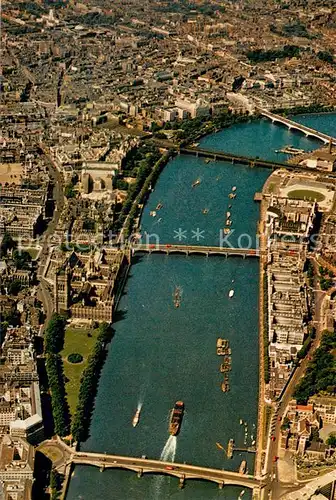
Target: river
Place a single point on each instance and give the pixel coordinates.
(161, 354)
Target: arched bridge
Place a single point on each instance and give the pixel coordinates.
(309, 132)
(181, 471)
(195, 249)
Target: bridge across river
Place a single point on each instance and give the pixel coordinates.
(225, 156)
(309, 132)
(181, 471)
(195, 249)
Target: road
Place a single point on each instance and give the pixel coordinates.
(274, 486)
(58, 183)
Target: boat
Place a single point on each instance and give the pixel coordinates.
(152, 213)
(196, 183)
(226, 230)
(207, 160)
(136, 418)
(242, 468)
(241, 494)
(159, 206)
(230, 448)
(228, 222)
(230, 206)
(225, 386)
(205, 211)
(177, 297)
(225, 368)
(241, 421)
(228, 214)
(234, 188)
(219, 446)
(231, 293)
(176, 417)
(232, 196)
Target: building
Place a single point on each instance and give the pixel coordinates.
(85, 284)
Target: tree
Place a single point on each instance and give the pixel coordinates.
(7, 244)
(22, 259)
(54, 336)
(331, 440)
(15, 287)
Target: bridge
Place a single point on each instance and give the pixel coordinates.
(225, 156)
(309, 132)
(181, 471)
(195, 249)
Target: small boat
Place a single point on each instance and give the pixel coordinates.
(231, 293)
(228, 214)
(241, 421)
(234, 188)
(207, 160)
(232, 196)
(241, 494)
(159, 206)
(226, 230)
(230, 448)
(228, 222)
(177, 297)
(242, 468)
(253, 443)
(205, 211)
(152, 213)
(230, 206)
(225, 386)
(219, 446)
(136, 418)
(197, 182)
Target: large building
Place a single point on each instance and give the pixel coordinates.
(85, 283)
(289, 223)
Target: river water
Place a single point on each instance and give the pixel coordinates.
(161, 354)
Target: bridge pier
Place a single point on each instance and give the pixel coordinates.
(140, 473)
(102, 468)
(221, 485)
(182, 482)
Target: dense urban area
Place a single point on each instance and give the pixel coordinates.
(96, 97)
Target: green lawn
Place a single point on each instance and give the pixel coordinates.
(76, 340)
(308, 194)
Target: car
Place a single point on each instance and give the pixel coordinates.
(168, 246)
(151, 246)
(275, 459)
(169, 467)
(273, 438)
(279, 419)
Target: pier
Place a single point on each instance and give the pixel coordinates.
(195, 249)
(309, 132)
(181, 471)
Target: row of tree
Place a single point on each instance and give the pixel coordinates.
(320, 374)
(89, 384)
(54, 334)
(59, 404)
(140, 162)
(150, 181)
(54, 341)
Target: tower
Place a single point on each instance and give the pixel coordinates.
(62, 290)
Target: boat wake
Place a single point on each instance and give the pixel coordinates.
(169, 451)
(167, 455)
